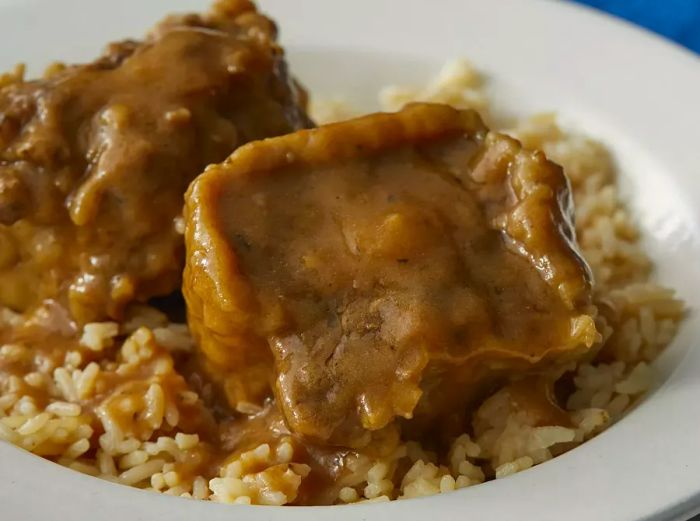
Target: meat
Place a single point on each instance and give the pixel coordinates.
(393, 266)
(95, 159)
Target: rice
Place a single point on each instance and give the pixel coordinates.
(457, 84)
(141, 472)
(261, 476)
(516, 465)
(99, 335)
(174, 337)
(114, 406)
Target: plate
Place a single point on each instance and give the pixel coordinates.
(633, 90)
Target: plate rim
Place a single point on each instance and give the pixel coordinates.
(157, 507)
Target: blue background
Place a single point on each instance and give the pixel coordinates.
(678, 20)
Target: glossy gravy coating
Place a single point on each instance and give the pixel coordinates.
(391, 266)
(95, 159)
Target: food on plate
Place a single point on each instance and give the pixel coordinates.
(95, 159)
(395, 265)
(386, 308)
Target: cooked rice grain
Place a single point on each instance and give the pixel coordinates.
(142, 443)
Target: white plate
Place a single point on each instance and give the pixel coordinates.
(635, 91)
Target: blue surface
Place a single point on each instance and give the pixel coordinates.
(677, 20)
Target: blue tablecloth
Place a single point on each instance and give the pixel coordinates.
(678, 20)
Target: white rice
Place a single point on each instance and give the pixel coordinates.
(133, 434)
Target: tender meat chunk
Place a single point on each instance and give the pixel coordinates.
(95, 159)
(391, 266)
